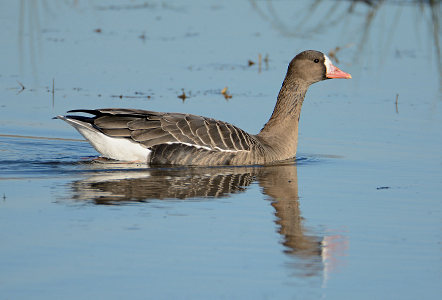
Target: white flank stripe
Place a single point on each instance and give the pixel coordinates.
(191, 145)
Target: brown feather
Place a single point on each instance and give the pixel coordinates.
(113, 122)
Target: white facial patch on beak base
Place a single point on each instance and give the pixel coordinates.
(333, 71)
(328, 64)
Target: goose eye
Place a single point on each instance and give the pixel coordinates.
(316, 60)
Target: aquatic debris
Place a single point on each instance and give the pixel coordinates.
(383, 188)
(183, 96)
(137, 95)
(260, 60)
(333, 53)
(266, 60)
(22, 87)
(397, 98)
(225, 93)
(53, 92)
(98, 30)
(126, 6)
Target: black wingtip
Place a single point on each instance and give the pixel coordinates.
(87, 111)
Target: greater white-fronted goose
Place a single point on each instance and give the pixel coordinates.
(184, 139)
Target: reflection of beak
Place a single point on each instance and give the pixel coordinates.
(335, 72)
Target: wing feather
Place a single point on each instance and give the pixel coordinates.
(111, 122)
(156, 141)
(203, 134)
(155, 128)
(143, 124)
(149, 134)
(117, 132)
(236, 140)
(225, 134)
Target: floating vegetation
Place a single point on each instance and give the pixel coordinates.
(260, 60)
(183, 96)
(225, 93)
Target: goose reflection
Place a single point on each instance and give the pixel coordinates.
(313, 255)
(114, 188)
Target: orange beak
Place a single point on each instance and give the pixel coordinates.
(335, 72)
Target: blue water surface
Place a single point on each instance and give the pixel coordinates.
(355, 216)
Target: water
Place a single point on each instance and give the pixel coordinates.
(356, 216)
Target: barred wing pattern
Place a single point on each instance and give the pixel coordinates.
(174, 138)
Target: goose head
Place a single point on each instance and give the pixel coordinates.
(312, 66)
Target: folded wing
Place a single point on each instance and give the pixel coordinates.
(151, 129)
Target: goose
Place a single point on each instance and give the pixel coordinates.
(159, 138)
